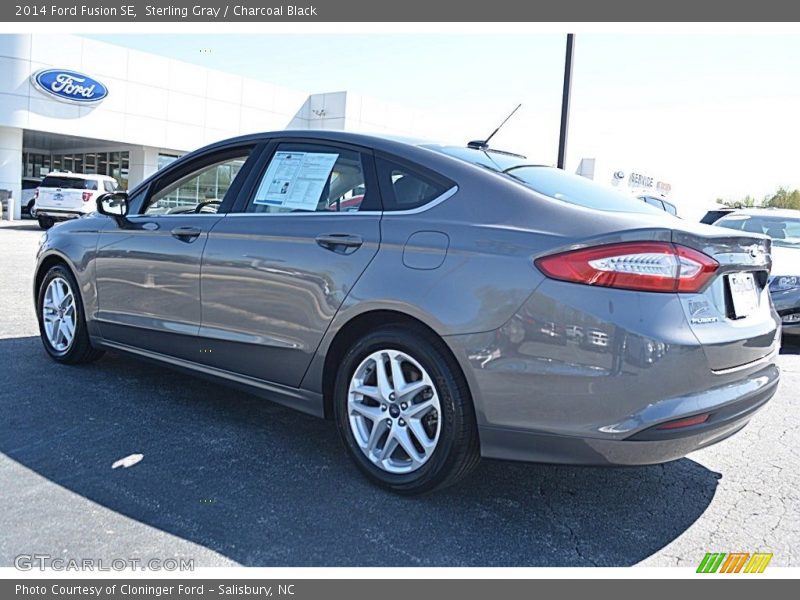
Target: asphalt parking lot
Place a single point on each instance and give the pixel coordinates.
(227, 478)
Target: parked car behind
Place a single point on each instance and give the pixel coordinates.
(63, 196)
(783, 226)
(715, 215)
(471, 304)
(28, 197)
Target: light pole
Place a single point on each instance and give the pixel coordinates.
(565, 98)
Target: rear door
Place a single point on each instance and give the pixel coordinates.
(65, 192)
(278, 267)
(148, 266)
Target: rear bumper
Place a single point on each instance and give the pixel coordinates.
(587, 379)
(648, 445)
(58, 214)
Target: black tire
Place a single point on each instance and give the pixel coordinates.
(45, 222)
(457, 451)
(81, 350)
(31, 204)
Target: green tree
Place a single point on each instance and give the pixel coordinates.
(783, 198)
(746, 202)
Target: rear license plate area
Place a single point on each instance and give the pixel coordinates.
(744, 294)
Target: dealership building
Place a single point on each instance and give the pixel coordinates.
(76, 104)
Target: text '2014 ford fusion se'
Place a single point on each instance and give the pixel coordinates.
(439, 303)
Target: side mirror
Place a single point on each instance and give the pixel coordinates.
(114, 204)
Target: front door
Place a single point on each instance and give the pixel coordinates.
(148, 267)
(278, 267)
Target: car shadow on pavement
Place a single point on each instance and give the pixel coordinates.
(267, 486)
(21, 225)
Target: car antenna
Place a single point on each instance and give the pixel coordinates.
(484, 144)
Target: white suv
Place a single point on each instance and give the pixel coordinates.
(67, 195)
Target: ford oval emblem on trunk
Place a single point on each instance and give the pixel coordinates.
(69, 86)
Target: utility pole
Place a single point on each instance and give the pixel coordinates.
(565, 98)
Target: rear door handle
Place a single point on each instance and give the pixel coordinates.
(187, 234)
(343, 243)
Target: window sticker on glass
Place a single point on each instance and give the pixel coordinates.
(295, 180)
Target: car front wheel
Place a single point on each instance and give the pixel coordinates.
(45, 222)
(404, 411)
(62, 324)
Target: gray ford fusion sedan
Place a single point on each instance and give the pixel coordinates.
(439, 303)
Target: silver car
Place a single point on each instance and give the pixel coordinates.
(440, 303)
(783, 227)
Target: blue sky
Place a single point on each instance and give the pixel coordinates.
(716, 115)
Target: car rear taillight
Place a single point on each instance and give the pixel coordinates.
(642, 266)
(86, 196)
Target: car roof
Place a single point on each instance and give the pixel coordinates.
(77, 175)
(789, 213)
(389, 143)
(378, 141)
(408, 148)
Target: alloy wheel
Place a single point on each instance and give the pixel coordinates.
(58, 314)
(394, 411)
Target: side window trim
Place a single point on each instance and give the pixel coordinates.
(253, 150)
(446, 195)
(250, 186)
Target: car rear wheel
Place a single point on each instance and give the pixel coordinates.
(62, 324)
(404, 411)
(45, 222)
(31, 211)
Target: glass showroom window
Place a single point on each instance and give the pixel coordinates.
(166, 160)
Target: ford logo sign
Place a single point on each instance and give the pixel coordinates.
(69, 86)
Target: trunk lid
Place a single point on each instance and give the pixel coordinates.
(733, 316)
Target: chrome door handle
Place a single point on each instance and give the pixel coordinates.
(187, 234)
(343, 243)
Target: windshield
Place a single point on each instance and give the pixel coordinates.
(784, 231)
(552, 182)
(68, 183)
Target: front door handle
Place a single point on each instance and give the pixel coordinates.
(342, 243)
(186, 234)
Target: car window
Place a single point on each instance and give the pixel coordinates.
(200, 191)
(734, 222)
(30, 185)
(68, 183)
(670, 208)
(654, 202)
(712, 216)
(566, 187)
(405, 187)
(784, 231)
(109, 186)
(305, 178)
(549, 181)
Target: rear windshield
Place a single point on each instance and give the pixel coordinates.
(552, 182)
(68, 183)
